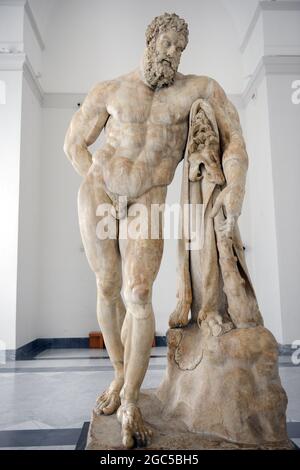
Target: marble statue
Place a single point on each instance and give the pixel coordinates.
(154, 117)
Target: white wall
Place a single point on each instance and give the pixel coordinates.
(10, 128)
(29, 218)
(86, 42)
(285, 147)
(11, 60)
(71, 58)
(42, 11)
(271, 55)
(241, 12)
(32, 46)
(67, 288)
(20, 133)
(11, 27)
(92, 40)
(287, 22)
(263, 240)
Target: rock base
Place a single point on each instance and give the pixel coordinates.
(218, 393)
(171, 434)
(227, 386)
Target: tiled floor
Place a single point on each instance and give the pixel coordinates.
(45, 401)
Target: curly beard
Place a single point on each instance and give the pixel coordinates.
(158, 71)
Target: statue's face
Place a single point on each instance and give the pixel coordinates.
(162, 58)
(169, 47)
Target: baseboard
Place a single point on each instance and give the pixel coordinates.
(160, 341)
(286, 349)
(30, 350)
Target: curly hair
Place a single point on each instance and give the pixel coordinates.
(166, 22)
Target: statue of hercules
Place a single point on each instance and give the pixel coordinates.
(146, 118)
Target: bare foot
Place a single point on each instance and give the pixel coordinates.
(134, 431)
(180, 316)
(109, 401)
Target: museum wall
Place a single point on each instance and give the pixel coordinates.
(73, 62)
(67, 46)
(272, 120)
(28, 287)
(263, 247)
(11, 29)
(285, 148)
(10, 125)
(273, 178)
(69, 66)
(96, 40)
(67, 285)
(21, 118)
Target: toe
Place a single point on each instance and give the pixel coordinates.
(111, 406)
(108, 410)
(148, 434)
(101, 398)
(99, 408)
(127, 440)
(138, 439)
(143, 440)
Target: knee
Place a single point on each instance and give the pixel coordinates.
(139, 293)
(108, 290)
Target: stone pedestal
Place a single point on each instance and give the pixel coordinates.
(227, 386)
(218, 393)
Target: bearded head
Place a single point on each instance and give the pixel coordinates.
(166, 39)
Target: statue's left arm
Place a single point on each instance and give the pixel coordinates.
(234, 156)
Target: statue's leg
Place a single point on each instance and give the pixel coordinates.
(141, 261)
(104, 258)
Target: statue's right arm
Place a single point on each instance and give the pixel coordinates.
(86, 125)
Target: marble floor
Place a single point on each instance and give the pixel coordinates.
(44, 401)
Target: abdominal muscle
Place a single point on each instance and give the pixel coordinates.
(133, 176)
(139, 155)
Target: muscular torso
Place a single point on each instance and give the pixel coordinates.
(146, 133)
